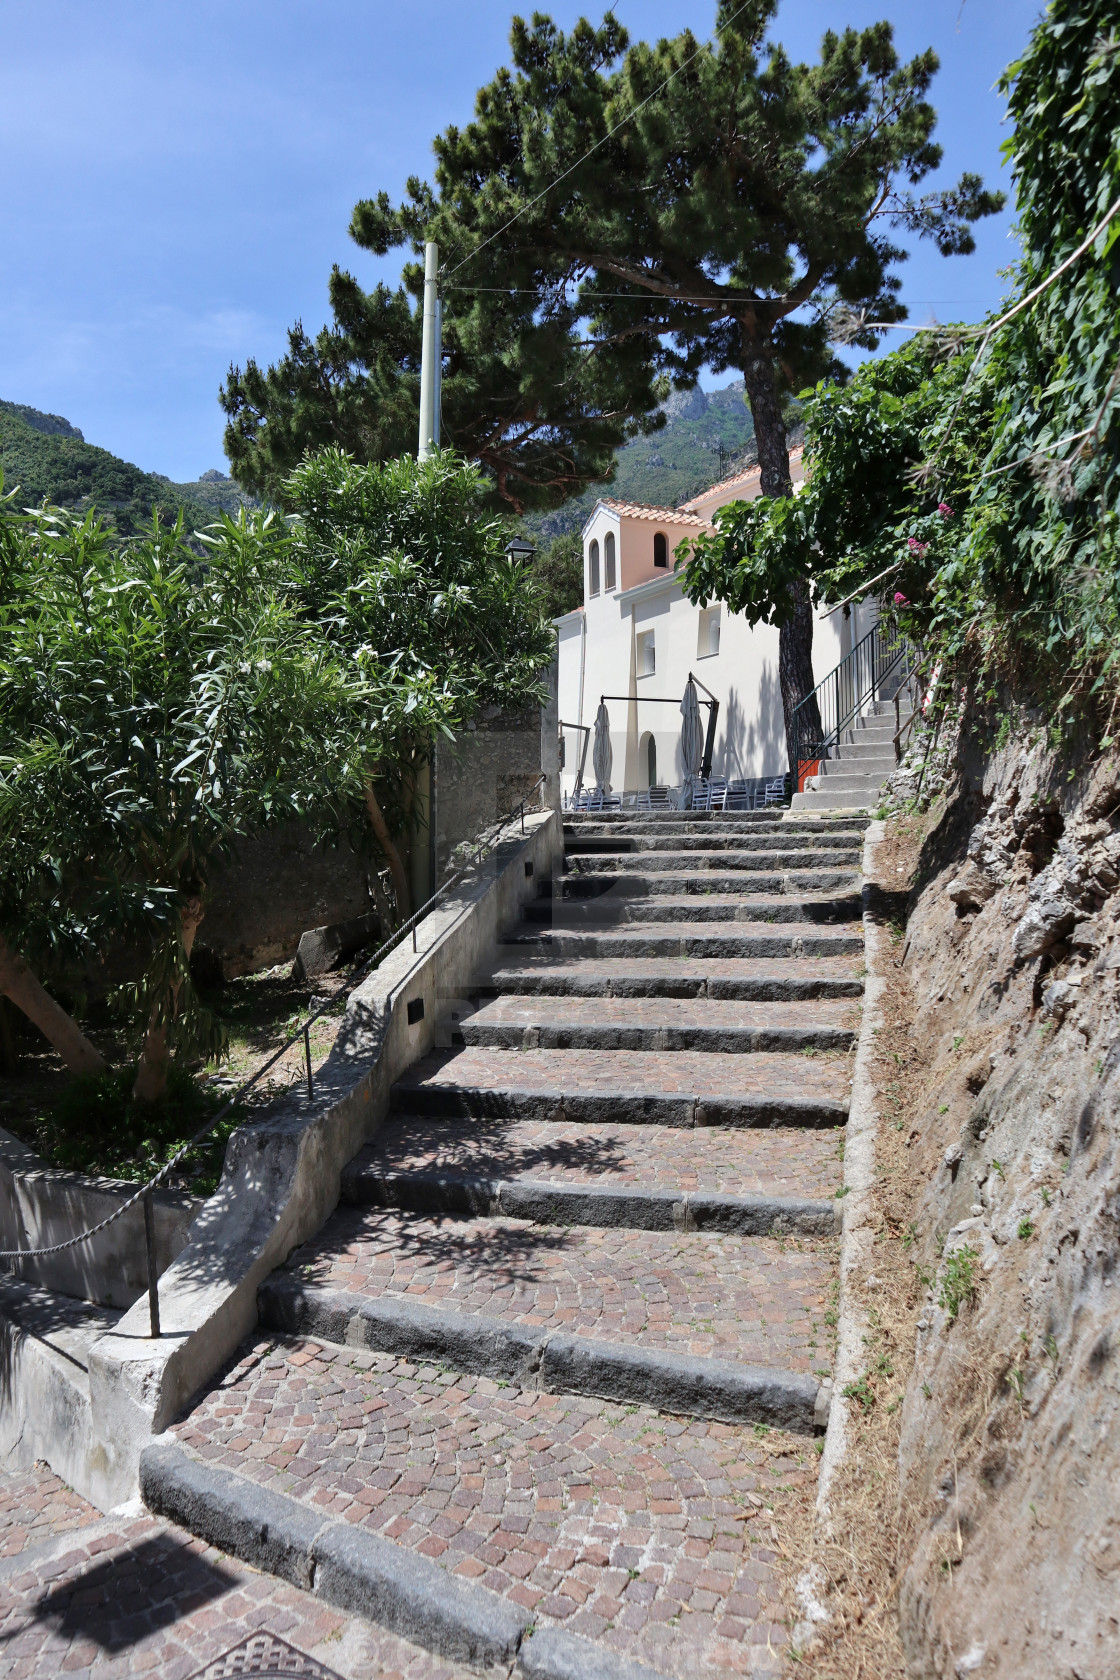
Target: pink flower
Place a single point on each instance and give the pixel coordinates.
(944, 510)
(915, 546)
(900, 599)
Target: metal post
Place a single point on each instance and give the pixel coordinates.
(414, 936)
(307, 1060)
(150, 1246)
(430, 351)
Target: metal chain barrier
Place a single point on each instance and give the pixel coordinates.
(480, 846)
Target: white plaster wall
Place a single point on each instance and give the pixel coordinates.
(743, 676)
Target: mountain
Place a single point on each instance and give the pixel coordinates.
(673, 464)
(50, 460)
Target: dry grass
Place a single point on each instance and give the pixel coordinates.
(861, 1553)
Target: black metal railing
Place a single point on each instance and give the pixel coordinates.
(876, 668)
(480, 846)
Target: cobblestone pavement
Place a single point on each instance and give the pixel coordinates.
(676, 976)
(114, 1598)
(672, 1013)
(635, 1072)
(645, 1532)
(784, 1161)
(755, 1300)
(35, 1506)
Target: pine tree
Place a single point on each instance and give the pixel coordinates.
(734, 211)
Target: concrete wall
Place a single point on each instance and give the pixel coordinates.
(40, 1206)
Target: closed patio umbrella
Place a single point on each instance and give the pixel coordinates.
(601, 756)
(692, 741)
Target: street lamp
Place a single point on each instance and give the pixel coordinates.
(518, 548)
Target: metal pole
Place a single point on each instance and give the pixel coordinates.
(150, 1246)
(429, 355)
(307, 1061)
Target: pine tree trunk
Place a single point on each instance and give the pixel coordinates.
(18, 983)
(795, 634)
(155, 1057)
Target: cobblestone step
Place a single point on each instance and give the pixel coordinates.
(721, 1164)
(456, 1289)
(515, 1023)
(681, 1088)
(715, 977)
(697, 939)
(703, 864)
(686, 841)
(654, 822)
(818, 908)
(646, 1534)
(661, 884)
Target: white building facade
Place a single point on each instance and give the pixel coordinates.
(637, 638)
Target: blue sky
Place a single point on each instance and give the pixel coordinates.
(179, 176)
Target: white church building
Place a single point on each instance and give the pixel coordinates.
(636, 639)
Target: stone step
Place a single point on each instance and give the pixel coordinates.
(629, 1087)
(726, 1321)
(817, 908)
(850, 782)
(704, 1177)
(857, 761)
(700, 864)
(840, 840)
(696, 939)
(675, 1024)
(727, 977)
(661, 883)
(580, 822)
(649, 1536)
(847, 798)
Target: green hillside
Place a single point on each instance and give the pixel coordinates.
(50, 460)
(671, 465)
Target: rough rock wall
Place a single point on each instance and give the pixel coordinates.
(1010, 1451)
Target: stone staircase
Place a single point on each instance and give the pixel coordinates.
(566, 1338)
(854, 779)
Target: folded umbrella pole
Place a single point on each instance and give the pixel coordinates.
(601, 756)
(692, 742)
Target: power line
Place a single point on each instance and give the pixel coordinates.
(591, 149)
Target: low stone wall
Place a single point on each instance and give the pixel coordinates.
(40, 1206)
(282, 1177)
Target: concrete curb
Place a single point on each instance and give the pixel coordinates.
(858, 1203)
(546, 1203)
(362, 1572)
(561, 1364)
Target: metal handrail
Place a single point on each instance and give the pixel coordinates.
(819, 722)
(359, 973)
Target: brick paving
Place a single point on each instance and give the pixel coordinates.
(680, 976)
(116, 1599)
(36, 1505)
(672, 1016)
(647, 1533)
(782, 1161)
(632, 1072)
(751, 1299)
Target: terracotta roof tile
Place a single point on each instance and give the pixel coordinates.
(645, 510)
(745, 477)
